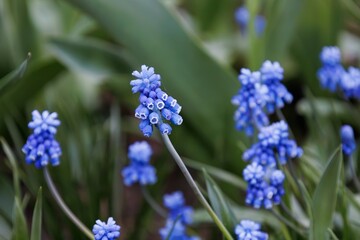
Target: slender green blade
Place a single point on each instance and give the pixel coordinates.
(12, 77)
(324, 199)
(20, 230)
(220, 205)
(37, 218)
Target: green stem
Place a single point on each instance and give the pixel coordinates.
(150, 200)
(64, 207)
(287, 222)
(194, 187)
(353, 173)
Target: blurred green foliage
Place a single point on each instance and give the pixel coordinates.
(82, 56)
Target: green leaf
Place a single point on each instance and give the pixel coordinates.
(188, 72)
(91, 56)
(37, 218)
(220, 205)
(20, 231)
(12, 77)
(324, 199)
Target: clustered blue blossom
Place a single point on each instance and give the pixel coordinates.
(249, 230)
(41, 147)
(261, 93)
(179, 217)
(106, 230)
(347, 140)
(273, 142)
(242, 17)
(265, 186)
(156, 106)
(139, 169)
(334, 77)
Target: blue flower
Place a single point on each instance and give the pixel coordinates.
(177, 231)
(139, 169)
(278, 95)
(106, 230)
(41, 147)
(250, 100)
(273, 141)
(44, 122)
(347, 140)
(249, 230)
(330, 76)
(175, 202)
(350, 83)
(265, 186)
(242, 17)
(155, 106)
(330, 56)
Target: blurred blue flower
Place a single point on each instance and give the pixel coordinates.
(175, 202)
(177, 231)
(278, 95)
(155, 105)
(242, 17)
(273, 141)
(250, 100)
(106, 230)
(249, 230)
(350, 83)
(330, 56)
(139, 170)
(41, 147)
(347, 140)
(265, 186)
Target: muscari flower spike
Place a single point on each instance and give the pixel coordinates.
(242, 17)
(156, 106)
(350, 83)
(139, 169)
(265, 186)
(175, 203)
(175, 231)
(106, 230)
(249, 230)
(273, 141)
(41, 147)
(250, 100)
(347, 140)
(278, 95)
(331, 72)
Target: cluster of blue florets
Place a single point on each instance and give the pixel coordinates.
(106, 230)
(334, 77)
(179, 217)
(249, 230)
(273, 142)
(242, 17)
(347, 140)
(41, 147)
(260, 93)
(155, 105)
(139, 169)
(265, 186)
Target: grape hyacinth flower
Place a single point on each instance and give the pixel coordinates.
(242, 17)
(177, 231)
(347, 140)
(106, 230)
(350, 83)
(156, 106)
(249, 230)
(41, 147)
(250, 100)
(278, 95)
(331, 72)
(139, 169)
(175, 203)
(265, 186)
(273, 141)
